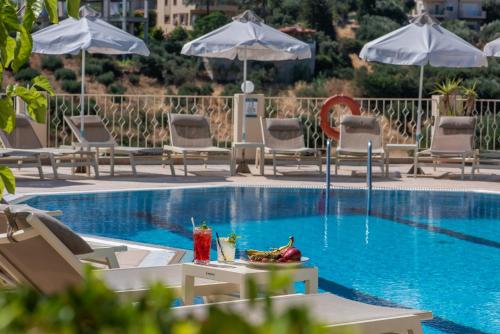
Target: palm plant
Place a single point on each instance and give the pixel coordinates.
(470, 95)
(448, 89)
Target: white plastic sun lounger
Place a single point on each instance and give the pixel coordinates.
(33, 255)
(284, 140)
(190, 136)
(95, 252)
(355, 133)
(96, 136)
(331, 310)
(452, 143)
(23, 149)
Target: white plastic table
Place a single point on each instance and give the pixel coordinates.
(244, 145)
(399, 147)
(239, 274)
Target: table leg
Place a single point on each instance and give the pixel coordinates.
(233, 163)
(261, 161)
(243, 288)
(312, 282)
(187, 289)
(387, 160)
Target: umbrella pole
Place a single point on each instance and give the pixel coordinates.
(82, 93)
(244, 130)
(419, 109)
(419, 119)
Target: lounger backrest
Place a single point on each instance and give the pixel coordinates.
(356, 131)
(23, 136)
(453, 133)
(94, 129)
(189, 130)
(285, 133)
(34, 256)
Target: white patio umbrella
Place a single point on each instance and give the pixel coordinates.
(492, 49)
(423, 42)
(248, 38)
(88, 34)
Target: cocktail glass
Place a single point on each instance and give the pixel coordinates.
(202, 241)
(226, 250)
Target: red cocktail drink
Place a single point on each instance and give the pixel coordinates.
(202, 242)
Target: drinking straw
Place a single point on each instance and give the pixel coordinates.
(192, 222)
(220, 246)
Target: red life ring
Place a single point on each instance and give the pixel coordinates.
(334, 133)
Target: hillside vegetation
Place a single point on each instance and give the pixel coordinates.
(343, 27)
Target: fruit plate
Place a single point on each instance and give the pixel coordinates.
(277, 265)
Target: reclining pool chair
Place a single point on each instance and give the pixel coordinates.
(340, 314)
(452, 143)
(86, 251)
(284, 140)
(23, 149)
(96, 136)
(31, 254)
(355, 133)
(190, 136)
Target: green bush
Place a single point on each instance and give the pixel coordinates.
(208, 23)
(65, 74)
(461, 29)
(92, 308)
(106, 78)
(134, 78)
(117, 89)
(112, 66)
(93, 69)
(489, 32)
(71, 86)
(191, 89)
(26, 74)
(371, 27)
(51, 63)
(230, 89)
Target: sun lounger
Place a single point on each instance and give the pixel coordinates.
(86, 251)
(344, 315)
(284, 140)
(190, 136)
(452, 143)
(33, 255)
(97, 137)
(23, 149)
(486, 160)
(355, 133)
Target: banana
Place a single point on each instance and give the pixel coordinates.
(253, 253)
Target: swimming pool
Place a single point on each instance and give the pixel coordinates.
(438, 251)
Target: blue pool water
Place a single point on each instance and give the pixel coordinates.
(438, 251)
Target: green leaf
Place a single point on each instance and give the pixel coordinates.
(8, 15)
(43, 83)
(8, 180)
(7, 115)
(73, 6)
(23, 49)
(36, 102)
(37, 7)
(51, 8)
(9, 51)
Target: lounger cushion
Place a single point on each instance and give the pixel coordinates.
(457, 122)
(359, 122)
(70, 239)
(191, 126)
(284, 129)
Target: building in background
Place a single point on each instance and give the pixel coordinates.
(174, 13)
(468, 10)
(127, 14)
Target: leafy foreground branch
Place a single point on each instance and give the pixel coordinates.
(16, 44)
(93, 308)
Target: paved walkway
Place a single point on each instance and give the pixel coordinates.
(158, 177)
